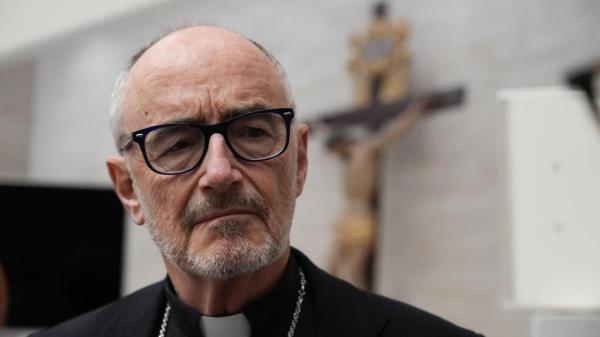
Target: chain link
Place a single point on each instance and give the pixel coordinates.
(298, 309)
(165, 321)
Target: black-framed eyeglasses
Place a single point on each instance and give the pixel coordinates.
(178, 148)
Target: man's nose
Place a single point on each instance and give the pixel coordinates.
(218, 174)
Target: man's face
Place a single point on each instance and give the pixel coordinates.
(228, 216)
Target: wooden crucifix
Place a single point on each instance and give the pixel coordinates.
(382, 109)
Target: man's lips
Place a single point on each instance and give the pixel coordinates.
(220, 214)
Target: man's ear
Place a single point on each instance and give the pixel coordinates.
(302, 157)
(123, 185)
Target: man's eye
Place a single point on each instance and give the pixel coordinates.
(177, 147)
(180, 145)
(251, 132)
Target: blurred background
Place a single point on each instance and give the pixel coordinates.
(452, 190)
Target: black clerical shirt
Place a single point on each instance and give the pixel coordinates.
(269, 315)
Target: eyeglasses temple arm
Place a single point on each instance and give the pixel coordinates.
(127, 144)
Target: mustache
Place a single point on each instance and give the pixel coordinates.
(199, 209)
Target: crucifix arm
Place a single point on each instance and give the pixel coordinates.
(398, 126)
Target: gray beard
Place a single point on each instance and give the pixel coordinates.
(235, 254)
(233, 257)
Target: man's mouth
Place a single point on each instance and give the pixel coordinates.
(225, 213)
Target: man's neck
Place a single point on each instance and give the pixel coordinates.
(225, 297)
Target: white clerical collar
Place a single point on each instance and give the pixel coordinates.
(225, 326)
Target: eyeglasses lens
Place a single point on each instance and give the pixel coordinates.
(258, 136)
(175, 149)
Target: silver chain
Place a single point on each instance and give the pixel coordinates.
(295, 316)
(301, 293)
(165, 321)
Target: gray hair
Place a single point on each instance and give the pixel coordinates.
(117, 99)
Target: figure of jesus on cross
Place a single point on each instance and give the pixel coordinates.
(382, 108)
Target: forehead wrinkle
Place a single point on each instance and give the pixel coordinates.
(228, 114)
(207, 89)
(192, 109)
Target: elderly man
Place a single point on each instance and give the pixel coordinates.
(212, 161)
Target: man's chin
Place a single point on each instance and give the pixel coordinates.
(228, 230)
(228, 258)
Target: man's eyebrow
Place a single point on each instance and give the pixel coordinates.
(229, 114)
(186, 120)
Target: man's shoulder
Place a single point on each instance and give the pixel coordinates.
(404, 317)
(369, 314)
(115, 318)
